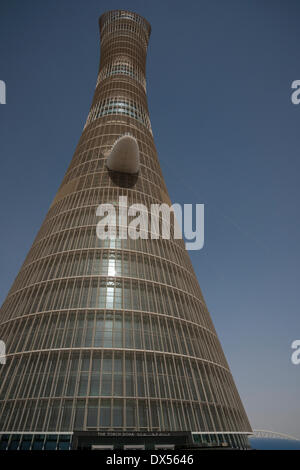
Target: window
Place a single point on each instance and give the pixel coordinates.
(119, 106)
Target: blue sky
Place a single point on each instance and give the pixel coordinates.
(219, 76)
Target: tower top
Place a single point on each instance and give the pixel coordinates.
(113, 15)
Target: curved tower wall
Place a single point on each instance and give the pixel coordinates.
(112, 334)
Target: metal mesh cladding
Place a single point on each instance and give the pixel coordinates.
(112, 334)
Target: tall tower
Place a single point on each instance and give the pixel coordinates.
(112, 335)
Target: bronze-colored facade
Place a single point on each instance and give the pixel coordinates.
(112, 334)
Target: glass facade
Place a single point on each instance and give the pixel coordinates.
(119, 106)
(27, 441)
(122, 66)
(110, 334)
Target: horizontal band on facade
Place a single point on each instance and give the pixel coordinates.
(90, 309)
(146, 138)
(66, 433)
(73, 189)
(92, 226)
(138, 245)
(103, 158)
(117, 15)
(108, 278)
(113, 250)
(145, 351)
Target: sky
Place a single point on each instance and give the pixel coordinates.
(219, 77)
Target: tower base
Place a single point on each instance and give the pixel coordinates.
(121, 440)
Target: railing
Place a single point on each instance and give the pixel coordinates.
(272, 435)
